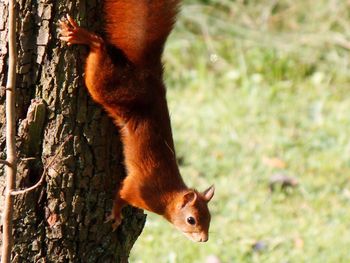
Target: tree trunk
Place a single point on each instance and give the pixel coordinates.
(63, 219)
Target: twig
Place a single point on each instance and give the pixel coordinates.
(19, 192)
(28, 159)
(10, 136)
(5, 162)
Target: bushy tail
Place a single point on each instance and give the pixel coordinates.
(139, 27)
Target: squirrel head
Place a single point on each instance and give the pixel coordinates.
(190, 214)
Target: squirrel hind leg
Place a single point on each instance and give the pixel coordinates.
(72, 33)
(116, 216)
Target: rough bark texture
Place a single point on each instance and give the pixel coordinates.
(63, 220)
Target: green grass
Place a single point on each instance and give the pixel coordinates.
(250, 82)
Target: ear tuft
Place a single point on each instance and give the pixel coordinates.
(209, 193)
(189, 198)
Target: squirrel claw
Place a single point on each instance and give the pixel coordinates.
(116, 224)
(116, 221)
(72, 33)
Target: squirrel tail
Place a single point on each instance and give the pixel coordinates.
(139, 27)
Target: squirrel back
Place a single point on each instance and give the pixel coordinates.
(139, 27)
(124, 74)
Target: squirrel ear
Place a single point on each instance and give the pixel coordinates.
(189, 198)
(209, 193)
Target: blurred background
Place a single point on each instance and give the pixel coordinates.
(259, 97)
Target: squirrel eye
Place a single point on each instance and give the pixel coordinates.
(191, 220)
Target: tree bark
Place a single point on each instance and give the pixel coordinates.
(62, 220)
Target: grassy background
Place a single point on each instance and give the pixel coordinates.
(258, 88)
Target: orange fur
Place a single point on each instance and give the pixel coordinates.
(139, 27)
(124, 74)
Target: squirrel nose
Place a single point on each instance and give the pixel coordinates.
(204, 238)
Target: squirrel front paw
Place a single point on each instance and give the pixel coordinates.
(69, 31)
(72, 33)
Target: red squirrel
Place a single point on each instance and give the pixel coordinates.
(124, 73)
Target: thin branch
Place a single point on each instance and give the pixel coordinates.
(5, 162)
(43, 175)
(10, 136)
(28, 159)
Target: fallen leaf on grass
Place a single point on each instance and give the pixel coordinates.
(298, 242)
(274, 162)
